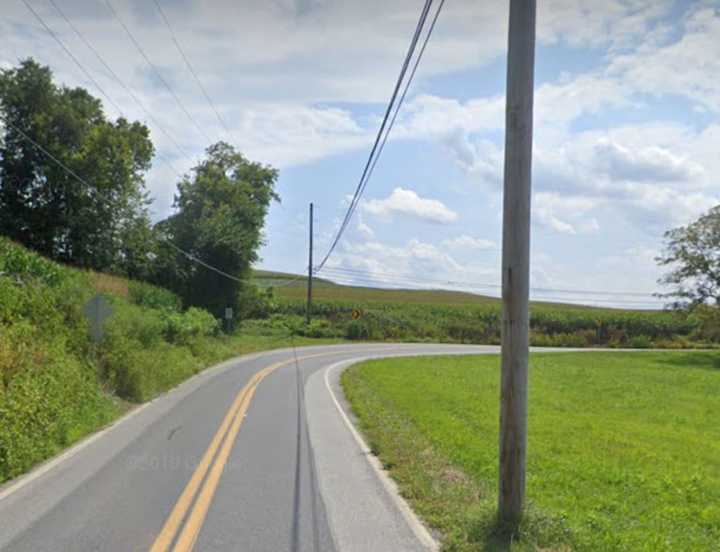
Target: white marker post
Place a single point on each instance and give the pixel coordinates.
(516, 261)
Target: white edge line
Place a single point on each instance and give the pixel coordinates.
(27, 478)
(414, 522)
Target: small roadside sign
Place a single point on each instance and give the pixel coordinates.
(356, 313)
(228, 313)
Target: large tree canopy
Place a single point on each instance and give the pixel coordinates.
(221, 210)
(99, 221)
(693, 254)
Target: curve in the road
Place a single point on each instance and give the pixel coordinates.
(225, 463)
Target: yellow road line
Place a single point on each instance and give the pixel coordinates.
(225, 435)
(191, 530)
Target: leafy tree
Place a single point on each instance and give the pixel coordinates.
(221, 209)
(693, 253)
(86, 221)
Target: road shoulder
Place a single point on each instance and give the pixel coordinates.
(365, 509)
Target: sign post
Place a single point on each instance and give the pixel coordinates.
(228, 319)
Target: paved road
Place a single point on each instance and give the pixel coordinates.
(255, 454)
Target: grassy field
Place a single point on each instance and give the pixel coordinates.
(458, 317)
(624, 449)
(288, 286)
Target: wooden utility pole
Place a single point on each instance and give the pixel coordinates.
(310, 268)
(516, 260)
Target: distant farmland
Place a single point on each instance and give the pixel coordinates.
(461, 317)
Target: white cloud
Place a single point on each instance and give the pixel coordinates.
(687, 67)
(412, 264)
(407, 202)
(365, 231)
(468, 242)
(649, 164)
(566, 215)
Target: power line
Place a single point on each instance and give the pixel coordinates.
(192, 71)
(199, 261)
(360, 272)
(367, 281)
(401, 77)
(127, 89)
(187, 254)
(156, 71)
(360, 186)
(82, 67)
(70, 54)
(398, 106)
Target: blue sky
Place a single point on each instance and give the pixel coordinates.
(626, 126)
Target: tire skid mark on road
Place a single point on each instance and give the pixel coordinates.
(212, 465)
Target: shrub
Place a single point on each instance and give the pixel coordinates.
(319, 328)
(47, 401)
(154, 297)
(253, 302)
(137, 374)
(181, 327)
(640, 342)
(707, 321)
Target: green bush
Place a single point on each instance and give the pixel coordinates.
(640, 342)
(138, 374)
(154, 297)
(707, 321)
(180, 328)
(48, 399)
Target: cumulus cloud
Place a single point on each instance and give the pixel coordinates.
(686, 67)
(565, 215)
(468, 242)
(412, 264)
(408, 203)
(650, 164)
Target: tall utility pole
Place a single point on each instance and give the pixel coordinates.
(516, 260)
(310, 268)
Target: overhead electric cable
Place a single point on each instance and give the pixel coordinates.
(71, 55)
(350, 280)
(62, 165)
(388, 111)
(193, 72)
(360, 272)
(84, 69)
(398, 106)
(115, 76)
(155, 70)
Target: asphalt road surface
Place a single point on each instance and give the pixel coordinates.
(258, 453)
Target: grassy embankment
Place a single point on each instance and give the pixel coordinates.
(457, 317)
(56, 387)
(623, 454)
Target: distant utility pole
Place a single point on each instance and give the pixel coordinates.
(310, 268)
(516, 260)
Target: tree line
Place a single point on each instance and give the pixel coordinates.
(73, 187)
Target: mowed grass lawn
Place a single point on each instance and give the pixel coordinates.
(623, 448)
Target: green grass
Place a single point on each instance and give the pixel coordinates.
(460, 317)
(56, 386)
(325, 290)
(623, 453)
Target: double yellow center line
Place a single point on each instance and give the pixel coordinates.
(214, 463)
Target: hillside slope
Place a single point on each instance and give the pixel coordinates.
(56, 386)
